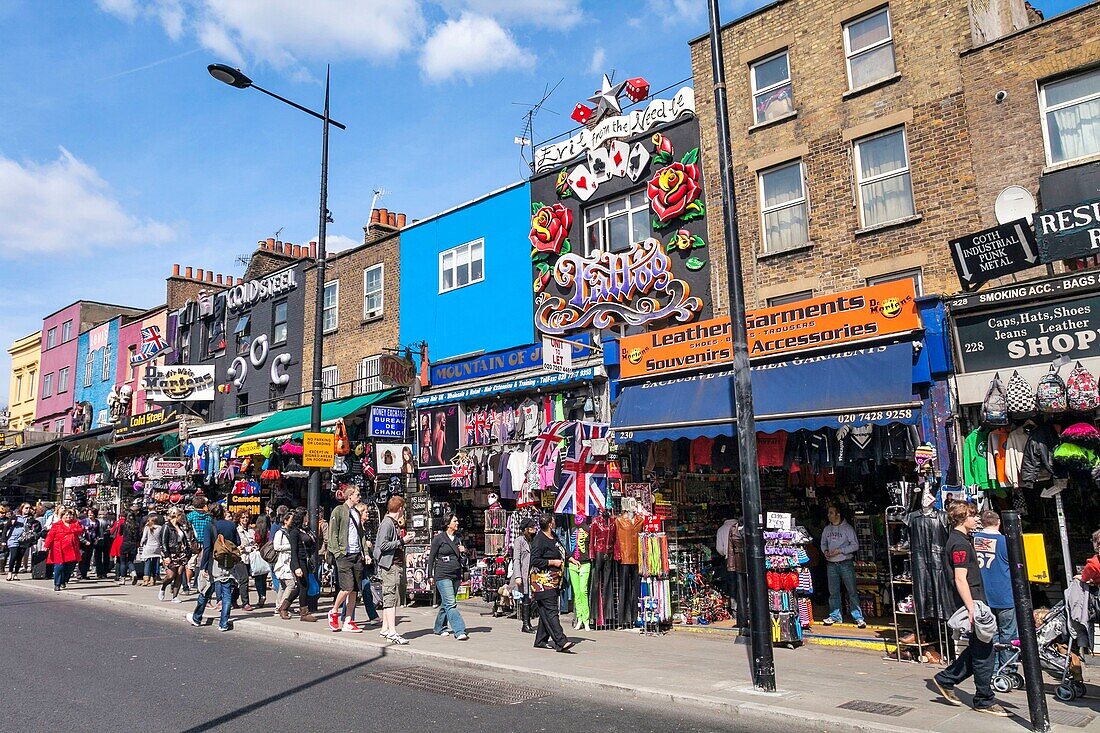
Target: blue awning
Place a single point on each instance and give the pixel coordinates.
(858, 387)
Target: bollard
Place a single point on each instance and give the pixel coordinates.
(1025, 622)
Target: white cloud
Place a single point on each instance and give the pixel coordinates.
(65, 206)
(468, 46)
(338, 243)
(552, 14)
(685, 11)
(599, 56)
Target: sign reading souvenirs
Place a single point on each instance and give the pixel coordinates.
(395, 371)
(180, 383)
(145, 421)
(855, 315)
(1037, 335)
(388, 422)
(248, 294)
(318, 450)
(993, 253)
(1069, 232)
(500, 362)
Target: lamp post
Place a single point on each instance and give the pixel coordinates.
(763, 662)
(237, 79)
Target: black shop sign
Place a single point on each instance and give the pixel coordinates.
(993, 253)
(1069, 232)
(1015, 337)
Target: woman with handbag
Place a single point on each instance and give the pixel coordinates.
(445, 567)
(548, 560)
(130, 531)
(258, 567)
(296, 547)
(149, 551)
(175, 542)
(22, 535)
(63, 547)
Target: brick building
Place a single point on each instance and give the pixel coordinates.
(851, 142)
(362, 309)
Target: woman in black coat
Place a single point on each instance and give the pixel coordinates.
(548, 558)
(303, 545)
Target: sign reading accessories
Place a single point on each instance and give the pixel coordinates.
(993, 253)
(855, 315)
(1069, 232)
(248, 294)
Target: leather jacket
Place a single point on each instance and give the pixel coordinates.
(1037, 455)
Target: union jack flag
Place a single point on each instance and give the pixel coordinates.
(479, 425)
(585, 486)
(548, 444)
(152, 345)
(587, 431)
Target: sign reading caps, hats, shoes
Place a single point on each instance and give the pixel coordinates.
(318, 450)
(1069, 232)
(388, 422)
(993, 253)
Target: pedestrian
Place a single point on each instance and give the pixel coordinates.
(992, 550)
(389, 557)
(175, 542)
(242, 572)
(961, 562)
(216, 568)
(101, 549)
(149, 551)
(296, 546)
(5, 529)
(277, 524)
(445, 564)
(366, 590)
(839, 544)
(345, 542)
(548, 560)
(23, 526)
(115, 553)
(198, 518)
(133, 526)
(63, 546)
(1091, 572)
(88, 541)
(521, 571)
(259, 568)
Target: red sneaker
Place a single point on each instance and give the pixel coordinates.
(352, 628)
(334, 620)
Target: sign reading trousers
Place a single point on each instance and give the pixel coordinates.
(1069, 232)
(993, 253)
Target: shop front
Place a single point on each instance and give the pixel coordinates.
(30, 473)
(142, 461)
(84, 474)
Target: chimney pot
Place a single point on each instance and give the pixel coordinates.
(374, 215)
(199, 274)
(219, 279)
(391, 219)
(240, 281)
(187, 273)
(271, 242)
(313, 250)
(262, 244)
(383, 216)
(400, 221)
(175, 270)
(209, 276)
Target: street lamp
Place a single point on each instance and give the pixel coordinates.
(237, 79)
(763, 661)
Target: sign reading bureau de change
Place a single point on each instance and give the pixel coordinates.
(318, 450)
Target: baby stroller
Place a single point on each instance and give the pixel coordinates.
(1057, 637)
(1005, 676)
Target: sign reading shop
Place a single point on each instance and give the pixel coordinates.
(248, 294)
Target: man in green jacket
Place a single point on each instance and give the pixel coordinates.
(345, 542)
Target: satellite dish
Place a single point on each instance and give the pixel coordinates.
(1015, 202)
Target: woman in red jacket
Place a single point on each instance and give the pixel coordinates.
(63, 547)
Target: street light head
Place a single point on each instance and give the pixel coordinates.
(229, 75)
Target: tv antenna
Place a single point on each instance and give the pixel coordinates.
(378, 193)
(526, 139)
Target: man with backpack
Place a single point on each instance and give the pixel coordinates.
(217, 559)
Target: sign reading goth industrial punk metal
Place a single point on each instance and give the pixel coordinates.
(1018, 336)
(993, 253)
(247, 294)
(1069, 232)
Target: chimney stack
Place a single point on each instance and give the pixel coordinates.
(175, 270)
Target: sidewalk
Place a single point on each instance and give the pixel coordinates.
(694, 669)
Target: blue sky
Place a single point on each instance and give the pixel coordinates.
(119, 155)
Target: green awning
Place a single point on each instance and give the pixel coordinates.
(296, 420)
(165, 442)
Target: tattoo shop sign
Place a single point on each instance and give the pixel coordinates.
(993, 253)
(1069, 232)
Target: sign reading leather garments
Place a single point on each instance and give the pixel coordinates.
(855, 315)
(1069, 232)
(248, 294)
(1036, 335)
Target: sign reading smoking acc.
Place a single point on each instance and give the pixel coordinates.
(318, 450)
(855, 315)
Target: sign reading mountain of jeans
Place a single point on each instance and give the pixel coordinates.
(1069, 232)
(993, 253)
(388, 422)
(1018, 336)
(500, 362)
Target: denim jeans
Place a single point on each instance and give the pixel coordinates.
(225, 595)
(124, 568)
(62, 572)
(1006, 634)
(448, 608)
(843, 575)
(977, 661)
(152, 568)
(368, 600)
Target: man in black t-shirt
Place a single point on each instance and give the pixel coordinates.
(965, 576)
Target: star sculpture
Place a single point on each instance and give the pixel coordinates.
(606, 99)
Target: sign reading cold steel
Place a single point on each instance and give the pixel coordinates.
(248, 294)
(146, 420)
(499, 362)
(388, 422)
(180, 383)
(318, 450)
(1036, 335)
(856, 315)
(1069, 232)
(994, 253)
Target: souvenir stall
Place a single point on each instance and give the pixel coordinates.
(144, 462)
(85, 481)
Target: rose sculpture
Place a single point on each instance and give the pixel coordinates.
(675, 191)
(550, 228)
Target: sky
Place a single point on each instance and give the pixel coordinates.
(120, 155)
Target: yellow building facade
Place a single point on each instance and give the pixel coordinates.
(23, 385)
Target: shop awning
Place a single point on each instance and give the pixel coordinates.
(858, 387)
(24, 458)
(160, 442)
(296, 420)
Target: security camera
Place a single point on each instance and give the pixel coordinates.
(1000, 96)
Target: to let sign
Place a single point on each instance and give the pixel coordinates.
(318, 450)
(993, 253)
(1069, 232)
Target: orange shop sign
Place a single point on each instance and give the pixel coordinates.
(814, 323)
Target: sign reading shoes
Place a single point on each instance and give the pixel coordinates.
(856, 315)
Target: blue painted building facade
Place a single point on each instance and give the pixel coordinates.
(452, 302)
(93, 380)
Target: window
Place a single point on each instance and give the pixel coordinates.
(617, 224)
(783, 207)
(59, 426)
(914, 275)
(243, 335)
(30, 385)
(51, 338)
(66, 331)
(62, 380)
(278, 331)
(47, 385)
(242, 403)
(185, 345)
(869, 48)
(88, 368)
(330, 378)
(373, 279)
(105, 375)
(368, 375)
(1071, 116)
(882, 172)
(18, 389)
(790, 298)
(462, 265)
(772, 94)
(329, 315)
